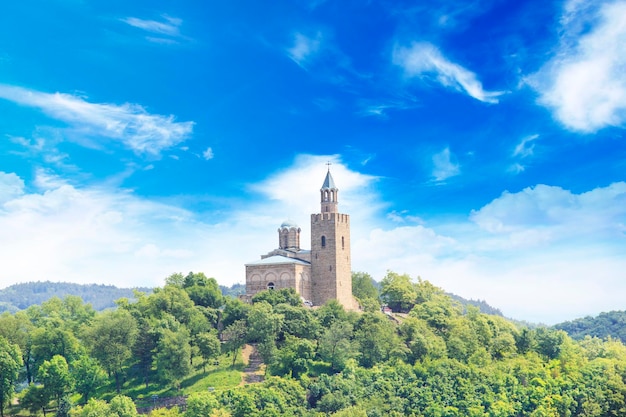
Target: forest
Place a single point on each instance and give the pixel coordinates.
(185, 350)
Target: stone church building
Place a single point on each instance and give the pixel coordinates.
(318, 275)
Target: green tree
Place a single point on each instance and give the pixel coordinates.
(123, 406)
(35, 398)
(203, 291)
(53, 339)
(209, 346)
(364, 286)
(235, 336)
(263, 323)
(65, 406)
(335, 345)
(17, 329)
(376, 337)
(173, 356)
(10, 364)
(89, 376)
(94, 408)
(111, 338)
(56, 377)
(398, 291)
(201, 404)
(275, 297)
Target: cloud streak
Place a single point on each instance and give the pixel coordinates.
(425, 60)
(584, 84)
(131, 124)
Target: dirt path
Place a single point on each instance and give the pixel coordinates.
(254, 370)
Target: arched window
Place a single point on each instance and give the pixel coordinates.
(323, 241)
(270, 285)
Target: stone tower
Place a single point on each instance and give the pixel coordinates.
(331, 274)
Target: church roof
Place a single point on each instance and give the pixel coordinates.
(288, 224)
(329, 182)
(278, 259)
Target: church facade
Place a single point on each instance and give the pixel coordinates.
(320, 274)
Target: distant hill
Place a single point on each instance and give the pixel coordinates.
(611, 324)
(21, 296)
(234, 291)
(481, 304)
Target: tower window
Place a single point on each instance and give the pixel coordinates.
(323, 241)
(270, 285)
(343, 243)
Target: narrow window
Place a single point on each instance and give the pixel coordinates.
(270, 285)
(323, 241)
(343, 243)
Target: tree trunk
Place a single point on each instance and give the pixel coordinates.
(117, 382)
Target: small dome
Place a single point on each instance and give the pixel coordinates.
(288, 224)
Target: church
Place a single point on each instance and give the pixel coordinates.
(320, 274)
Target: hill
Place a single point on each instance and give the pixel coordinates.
(611, 324)
(21, 296)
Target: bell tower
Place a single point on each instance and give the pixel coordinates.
(331, 272)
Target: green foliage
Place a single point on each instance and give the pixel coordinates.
(209, 346)
(99, 297)
(123, 406)
(203, 291)
(201, 404)
(110, 339)
(173, 358)
(275, 297)
(364, 286)
(612, 323)
(89, 376)
(235, 336)
(439, 360)
(398, 292)
(10, 363)
(336, 346)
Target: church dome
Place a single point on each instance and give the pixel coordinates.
(288, 224)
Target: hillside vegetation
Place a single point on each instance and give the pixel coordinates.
(21, 296)
(184, 339)
(611, 324)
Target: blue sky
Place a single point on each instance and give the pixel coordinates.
(479, 145)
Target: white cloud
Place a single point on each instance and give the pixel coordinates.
(131, 124)
(424, 59)
(304, 48)
(542, 254)
(526, 147)
(11, 186)
(584, 84)
(170, 26)
(443, 165)
(208, 154)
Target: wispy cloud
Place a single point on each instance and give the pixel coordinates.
(424, 59)
(382, 109)
(304, 48)
(584, 84)
(526, 147)
(444, 165)
(168, 28)
(208, 154)
(131, 124)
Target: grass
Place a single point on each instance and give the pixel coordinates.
(220, 376)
